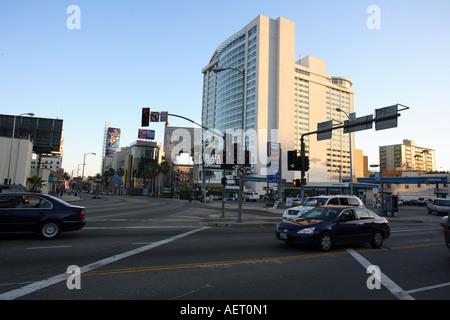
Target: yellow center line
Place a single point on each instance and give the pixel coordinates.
(246, 261)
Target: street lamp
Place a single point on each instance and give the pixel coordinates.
(12, 142)
(350, 141)
(84, 162)
(241, 184)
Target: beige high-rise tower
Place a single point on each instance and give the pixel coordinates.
(281, 97)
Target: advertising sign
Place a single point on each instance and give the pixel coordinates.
(212, 161)
(112, 141)
(146, 134)
(45, 133)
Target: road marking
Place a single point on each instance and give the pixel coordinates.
(20, 292)
(238, 262)
(52, 247)
(417, 230)
(429, 287)
(212, 264)
(139, 227)
(385, 281)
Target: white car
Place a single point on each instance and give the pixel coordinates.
(251, 196)
(313, 202)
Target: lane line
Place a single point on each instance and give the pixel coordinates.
(429, 287)
(51, 247)
(20, 292)
(138, 227)
(385, 281)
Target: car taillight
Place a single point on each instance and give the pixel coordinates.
(446, 231)
(82, 214)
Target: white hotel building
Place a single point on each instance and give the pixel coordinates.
(281, 93)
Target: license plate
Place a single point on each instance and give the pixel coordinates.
(283, 235)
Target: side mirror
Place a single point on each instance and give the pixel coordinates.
(342, 219)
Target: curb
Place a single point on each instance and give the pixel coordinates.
(216, 221)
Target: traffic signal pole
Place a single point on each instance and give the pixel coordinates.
(344, 126)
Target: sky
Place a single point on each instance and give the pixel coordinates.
(126, 55)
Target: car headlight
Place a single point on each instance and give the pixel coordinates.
(306, 231)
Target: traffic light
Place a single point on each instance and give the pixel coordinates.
(247, 158)
(306, 164)
(224, 158)
(225, 165)
(145, 117)
(292, 160)
(296, 182)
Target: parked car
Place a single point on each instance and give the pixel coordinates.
(422, 201)
(313, 202)
(251, 196)
(40, 214)
(439, 206)
(12, 188)
(411, 202)
(297, 199)
(327, 226)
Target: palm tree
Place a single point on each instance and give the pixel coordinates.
(152, 169)
(36, 183)
(164, 168)
(107, 176)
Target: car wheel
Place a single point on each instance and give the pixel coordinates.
(325, 242)
(377, 239)
(50, 230)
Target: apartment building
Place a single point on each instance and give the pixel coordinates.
(407, 156)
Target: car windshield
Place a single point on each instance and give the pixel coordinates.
(314, 202)
(326, 214)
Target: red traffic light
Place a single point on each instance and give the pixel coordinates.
(145, 120)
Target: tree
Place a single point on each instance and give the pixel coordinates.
(152, 169)
(36, 183)
(107, 176)
(165, 168)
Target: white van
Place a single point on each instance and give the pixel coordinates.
(251, 196)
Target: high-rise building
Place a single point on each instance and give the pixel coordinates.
(253, 82)
(407, 156)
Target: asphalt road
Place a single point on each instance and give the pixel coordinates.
(136, 249)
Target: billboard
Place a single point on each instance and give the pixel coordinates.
(112, 141)
(45, 133)
(146, 134)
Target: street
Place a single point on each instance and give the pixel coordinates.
(133, 248)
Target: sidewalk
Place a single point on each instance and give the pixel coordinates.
(272, 216)
(70, 198)
(256, 214)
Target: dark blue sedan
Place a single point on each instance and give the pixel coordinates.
(22, 213)
(327, 226)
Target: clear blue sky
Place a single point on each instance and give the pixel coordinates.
(132, 54)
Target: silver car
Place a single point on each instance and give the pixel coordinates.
(439, 206)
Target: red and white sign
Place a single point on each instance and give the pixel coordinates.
(154, 117)
(241, 171)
